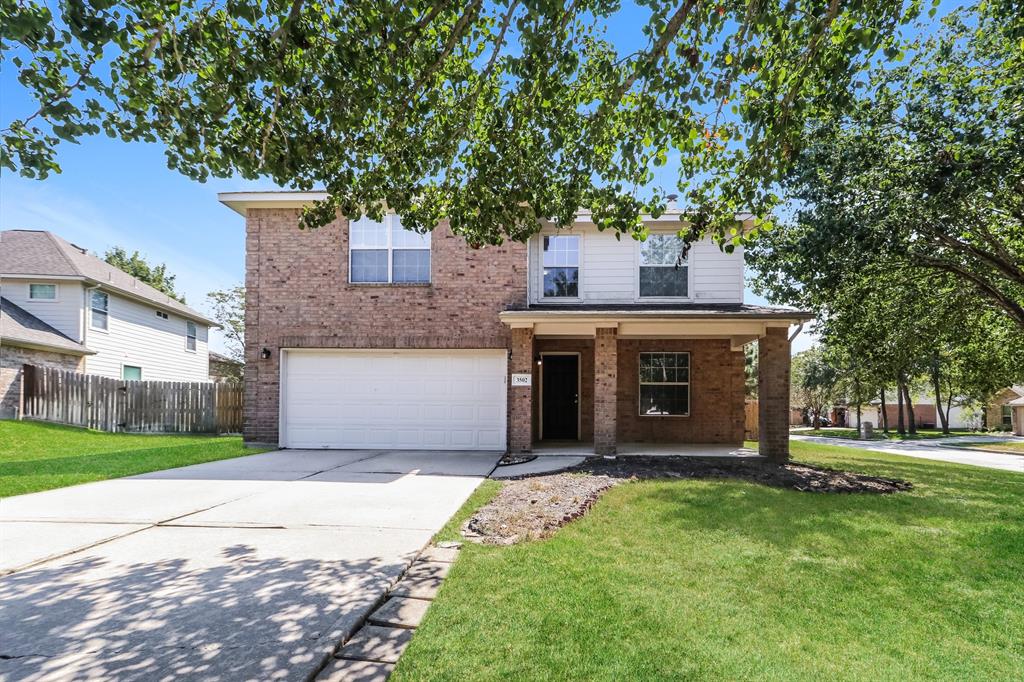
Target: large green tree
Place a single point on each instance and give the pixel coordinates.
(135, 265)
(925, 171)
(493, 115)
(815, 383)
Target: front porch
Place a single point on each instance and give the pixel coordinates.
(665, 380)
(567, 449)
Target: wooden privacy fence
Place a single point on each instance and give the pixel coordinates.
(95, 402)
(750, 418)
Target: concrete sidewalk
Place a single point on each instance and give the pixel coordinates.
(250, 568)
(936, 449)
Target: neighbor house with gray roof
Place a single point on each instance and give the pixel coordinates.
(63, 307)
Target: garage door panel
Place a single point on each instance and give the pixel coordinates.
(395, 399)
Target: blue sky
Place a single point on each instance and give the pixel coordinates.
(115, 193)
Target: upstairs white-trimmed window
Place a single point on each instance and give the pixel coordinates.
(190, 335)
(98, 305)
(664, 384)
(562, 266)
(664, 267)
(387, 253)
(42, 292)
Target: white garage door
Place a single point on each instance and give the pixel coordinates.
(414, 400)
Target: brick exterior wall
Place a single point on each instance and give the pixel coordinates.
(298, 296)
(520, 437)
(607, 391)
(716, 394)
(11, 360)
(773, 394)
(585, 347)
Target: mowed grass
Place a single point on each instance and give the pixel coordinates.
(718, 580)
(1011, 446)
(844, 432)
(36, 456)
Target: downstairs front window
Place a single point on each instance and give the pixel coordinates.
(664, 384)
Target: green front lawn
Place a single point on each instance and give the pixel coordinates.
(841, 432)
(36, 456)
(694, 579)
(1012, 446)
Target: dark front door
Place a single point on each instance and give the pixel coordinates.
(560, 397)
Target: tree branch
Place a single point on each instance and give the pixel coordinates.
(1015, 309)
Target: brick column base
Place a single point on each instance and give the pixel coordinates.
(520, 398)
(606, 388)
(773, 394)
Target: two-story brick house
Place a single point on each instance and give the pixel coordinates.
(363, 334)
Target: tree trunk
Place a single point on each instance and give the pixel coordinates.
(911, 418)
(943, 414)
(856, 389)
(900, 424)
(884, 413)
(817, 418)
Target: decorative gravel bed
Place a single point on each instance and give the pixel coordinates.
(534, 507)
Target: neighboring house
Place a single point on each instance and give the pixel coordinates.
(997, 414)
(224, 369)
(365, 335)
(65, 308)
(1017, 411)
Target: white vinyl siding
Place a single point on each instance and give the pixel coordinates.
(138, 338)
(609, 269)
(63, 314)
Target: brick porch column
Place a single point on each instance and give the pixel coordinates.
(773, 394)
(520, 398)
(606, 388)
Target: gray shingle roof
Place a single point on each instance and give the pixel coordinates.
(36, 252)
(18, 327)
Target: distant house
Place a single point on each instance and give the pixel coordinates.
(1017, 415)
(224, 369)
(62, 307)
(999, 413)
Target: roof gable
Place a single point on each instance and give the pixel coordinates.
(41, 253)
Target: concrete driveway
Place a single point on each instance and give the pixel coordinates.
(244, 569)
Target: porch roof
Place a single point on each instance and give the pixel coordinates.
(738, 322)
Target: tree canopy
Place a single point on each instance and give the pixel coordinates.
(491, 115)
(925, 171)
(135, 265)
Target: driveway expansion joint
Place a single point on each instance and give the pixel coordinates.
(374, 646)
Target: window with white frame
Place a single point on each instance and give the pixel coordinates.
(562, 266)
(385, 252)
(1007, 415)
(190, 335)
(131, 373)
(664, 384)
(664, 267)
(161, 314)
(42, 292)
(98, 304)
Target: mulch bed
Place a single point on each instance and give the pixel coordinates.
(534, 507)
